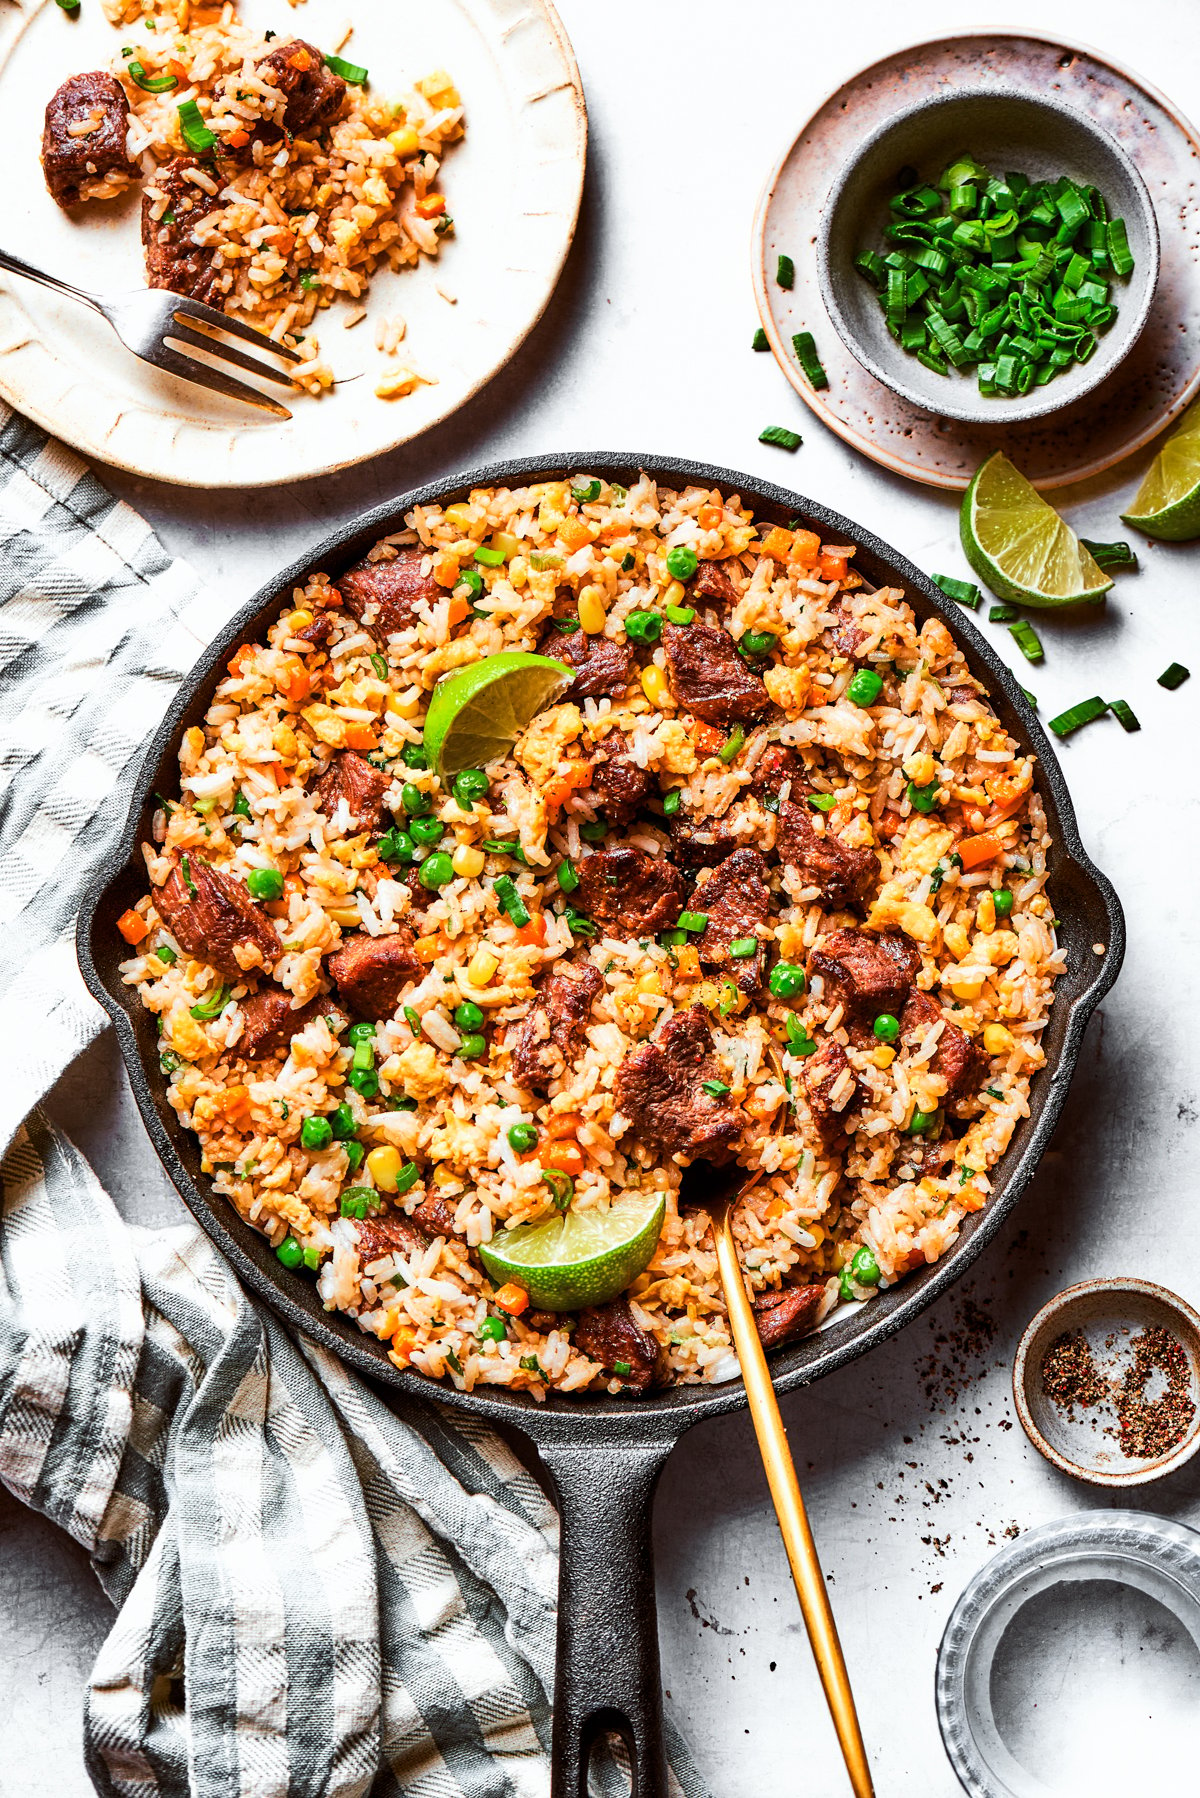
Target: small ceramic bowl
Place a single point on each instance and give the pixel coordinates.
(1109, 1314)
(1004, 129)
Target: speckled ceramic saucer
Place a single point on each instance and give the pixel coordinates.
(1150, 388)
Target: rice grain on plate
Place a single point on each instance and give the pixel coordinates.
(864, 987)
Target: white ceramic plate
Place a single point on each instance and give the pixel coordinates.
(513, 185)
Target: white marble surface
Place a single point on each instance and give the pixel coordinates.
(911, 1460)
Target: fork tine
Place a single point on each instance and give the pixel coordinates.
(222, 321)
(225, 352)
(175, 363)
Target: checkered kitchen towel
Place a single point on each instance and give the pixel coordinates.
(315, 1596)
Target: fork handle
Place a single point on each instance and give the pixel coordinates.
(15, 266)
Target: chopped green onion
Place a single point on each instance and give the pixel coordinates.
(732, 745)
(922, 799)
(679, 614)
(810, 362)
(715, 1088)
(585, 493)
(542, 559)
(743, 947)
(490, 558)
(965, 592)
(1002, 614)
(1030, 698)
(692, 920)
(213, 1006)
(185, 866)
(511, 901)
(672, 802)
(196, 134)
(1075, 715)
(799, 1042)
(379, 664)
(594, 831)
(568, 879)
(504, 846)
(308, 280)
(1119, 253)
(150, 84)
(785, 272)
(349, 71)
(759, 340)
(781, 437)
(412, 1019)
(1027, 640)
(1110, 555)
(578, 925)
(561, 1186)
(1174, 676)
(1124, 714)
(69, 6)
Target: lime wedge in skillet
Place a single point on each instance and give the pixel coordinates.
(581, 1258)
(476, 715)
(1020, 547)
(1167, 504)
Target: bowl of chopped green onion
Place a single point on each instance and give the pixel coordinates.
(990, 255)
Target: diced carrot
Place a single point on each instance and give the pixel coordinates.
(300, 60)
(578, 774)
(177, 69)
(275, 770)
(133, 926)
(709, 517)
(445, 570)
(974, 851)
(362, 737)
(564, 1125)
(564, 1157)
(1008, 792)
(293, 678)
(430, 206)
(806, 547)
(534, 931)
(513, 1298)
(236, 140)
(708, 739)
(688, 961)
(778, 544)
(457, 611)
(575, 533)
(239, 657)
(403, 1344)
(832, 567)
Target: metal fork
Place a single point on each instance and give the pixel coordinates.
(158, 326)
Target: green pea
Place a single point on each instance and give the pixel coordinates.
(341, 1122)
(1002, 899)
(922, 799)
(469, 785)
(316, 1133)
(920, 1122)
(264, 883)
(864, 1268)
(472, 580)
(364, 1054)
(865, 687)
(787, 980)
(437, 871)
(396, 846)
(413, 755)
(468, 1016)
(644, 627)
(682, 562)
(354, 1155)
(523, 1137)
(594, 832)
(426, 830)
(886, 1027)
(364, 1081)
(414, 801)
(472, 1046)
(493, 1329)
(757, 643)
(290, 1252)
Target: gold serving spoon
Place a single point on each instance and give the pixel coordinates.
(781, 1477)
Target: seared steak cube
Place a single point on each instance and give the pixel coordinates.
(869, 974)
(831, 1087)
(371, 972)
(738, 903)
(709, 678)
(782, 1316)
(660, 1088)
(843, 876)
(611, 1335)
(92, 160)
(270, 1021)
(383, 596)
(314, 93)
(961, 1062)
(388, 1233)
(351, 778)
(622, 788)
(712, 585)
(173, 259)
(550, 1036)
(603, 669)
(700, 842)
(212, 916)
(631, 893)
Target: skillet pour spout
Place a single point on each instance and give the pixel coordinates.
(604, 1453)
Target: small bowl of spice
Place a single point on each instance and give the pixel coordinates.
(989, 255)
(1107, 1382)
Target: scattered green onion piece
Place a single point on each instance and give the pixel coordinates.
(594, 831)
(1076, 715)
(196, 134)
(822, 802)
(922, 799)
(511, 901)
(679, 614)
(672, 802)
(730, 748)
(1110, 555)
(212, 1007)
(785, 272)
(561, 1186)
(1124, 714)
(149, 84)
(1174, 676)
(585, 493)
(805, 347)
(1027, 640)
(759, 340)
(578, 925)
(352, 72)
(568, 879)
(715, 1088)
(781, 437)
(505, 846)
(743, 947)
(1002, 614)
(489, 557)
(692, 920)
(965, 592)
(70, 6)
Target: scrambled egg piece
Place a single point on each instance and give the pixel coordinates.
(542, 747)
(419, 1069)
(789, 687)
(891, 907)
(925, 843)
(678, 750)
(460, 1145)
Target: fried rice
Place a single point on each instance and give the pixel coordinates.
(888, 1157)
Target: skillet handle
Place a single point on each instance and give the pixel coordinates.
(607, 1671)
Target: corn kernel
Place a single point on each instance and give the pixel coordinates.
(404, 141)
(967, 988)
(884, 1056)
(985, 915)
(920, 768)
(998, 1041)
(518, 574)
(383, 1165)
(675, 594)
(460, 517)
(467, 861)
(482, 966)
(817, 1232)
(429, 947)
(296, 621)
(591, 611)
(650, 984)
(445, 1176)
(654, 685)
(345, 915)
(957, 940)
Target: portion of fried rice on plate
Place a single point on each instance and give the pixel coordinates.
(753, 742)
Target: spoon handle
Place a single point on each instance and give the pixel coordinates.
(789, 1508)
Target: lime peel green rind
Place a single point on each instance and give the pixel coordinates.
(581, 1257)
(476, 714)
(1167, 504)
(1019, 546)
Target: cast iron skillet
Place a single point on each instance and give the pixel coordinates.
(605, 1454)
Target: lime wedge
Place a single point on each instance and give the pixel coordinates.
(581, 1258)
(476, 715)
(1020, 546)
(1167, 504)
